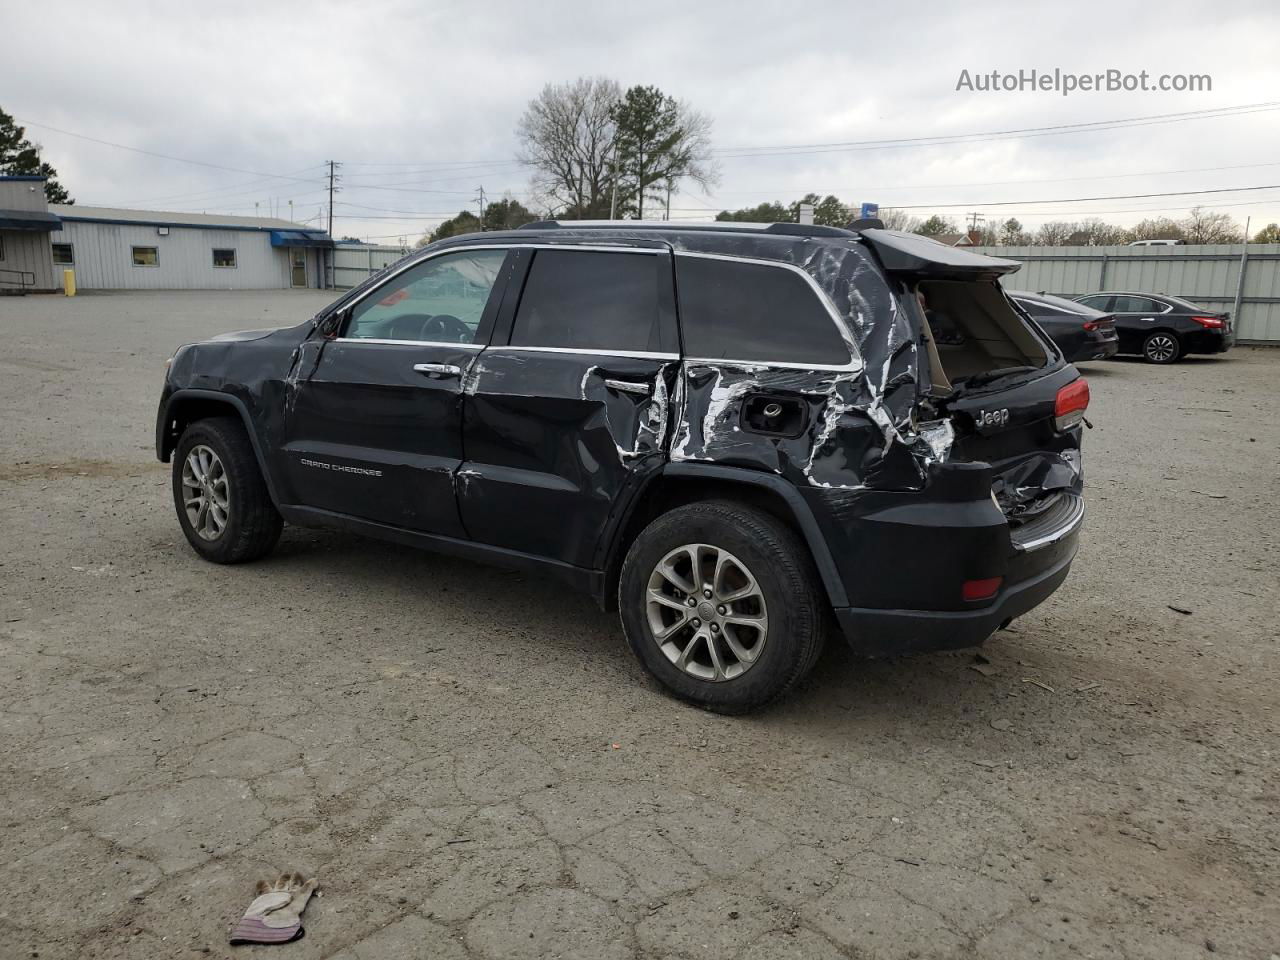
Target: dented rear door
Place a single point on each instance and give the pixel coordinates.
(568, 411)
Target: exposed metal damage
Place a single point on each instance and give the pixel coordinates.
(860, 430)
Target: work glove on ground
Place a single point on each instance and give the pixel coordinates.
(275, 916)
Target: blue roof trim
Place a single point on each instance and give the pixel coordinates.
(300, 238)
(29, 220)
(184, 224)
(31, 177)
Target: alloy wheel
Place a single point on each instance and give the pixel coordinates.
(205, 494)
(706, 612)
(1161, 348)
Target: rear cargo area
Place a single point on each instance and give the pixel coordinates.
(975, 332)
(993, 378)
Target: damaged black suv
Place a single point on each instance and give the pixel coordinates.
(743, 436)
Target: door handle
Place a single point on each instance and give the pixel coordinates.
(438, 369)
(630, 386)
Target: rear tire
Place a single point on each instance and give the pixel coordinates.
(755, 637)
(1161, 347)
(222, 501)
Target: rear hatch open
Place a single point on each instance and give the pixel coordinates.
(1009, 398)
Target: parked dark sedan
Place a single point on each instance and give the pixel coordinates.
(1080, 332)
(1162, 329)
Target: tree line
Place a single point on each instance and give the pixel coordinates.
(1200, 225)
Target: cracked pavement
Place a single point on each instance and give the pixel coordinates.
(435, 740)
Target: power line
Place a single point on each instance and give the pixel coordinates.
(993, 183)
(1122, 196)
(979, 137)
(162, 156)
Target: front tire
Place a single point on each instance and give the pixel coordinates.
(1162, 348)
(721, 604)
(222, 501)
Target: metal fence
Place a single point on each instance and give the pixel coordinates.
(350, 265)
(1242, 279)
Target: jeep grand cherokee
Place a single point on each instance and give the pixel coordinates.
(743, 436)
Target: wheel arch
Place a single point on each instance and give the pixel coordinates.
(680, 483)
(185, 407)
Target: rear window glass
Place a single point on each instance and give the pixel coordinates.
(1137, 305)
(580, 300)
(732, 310)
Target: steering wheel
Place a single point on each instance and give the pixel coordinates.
(447, 327)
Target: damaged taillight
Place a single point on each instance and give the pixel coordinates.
(1070, 404)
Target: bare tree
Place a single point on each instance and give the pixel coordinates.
(894, 219)
(1159, 228)
(1055, 233)
(567, 135)
(1094, 232)
(1202, 225)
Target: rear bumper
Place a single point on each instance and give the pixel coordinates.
(890, 633)
(1099, 346)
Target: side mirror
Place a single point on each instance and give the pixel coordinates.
(329, 325)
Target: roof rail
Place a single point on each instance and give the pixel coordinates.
(719, 226)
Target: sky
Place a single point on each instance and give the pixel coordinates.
(419, 103)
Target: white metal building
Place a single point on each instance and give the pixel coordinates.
(112, 249)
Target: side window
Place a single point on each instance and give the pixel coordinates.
(581, 300)
(731, 310)
(441, 300)
(1137, 305)
(1097, 303)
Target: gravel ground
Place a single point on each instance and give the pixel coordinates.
(473, 766)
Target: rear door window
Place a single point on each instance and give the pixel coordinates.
(1097, 303)
(1137, 305)
(584, 300)
(738, 310)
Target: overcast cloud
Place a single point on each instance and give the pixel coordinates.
(277, 88)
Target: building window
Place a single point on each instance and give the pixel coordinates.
(62, 254)
(146, 257)
(224, 258)
(1, 248)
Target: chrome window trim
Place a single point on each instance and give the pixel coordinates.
(853, 367)
(588, 351)
(462, 248)
(855, 360)
(410, 343)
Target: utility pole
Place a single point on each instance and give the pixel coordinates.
(668, 216)
(332, 179)
(640, 184)
(480, 199)
(974, 220)
(613, 196)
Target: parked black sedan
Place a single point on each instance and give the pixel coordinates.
(1160, 328)
(1080, 332)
